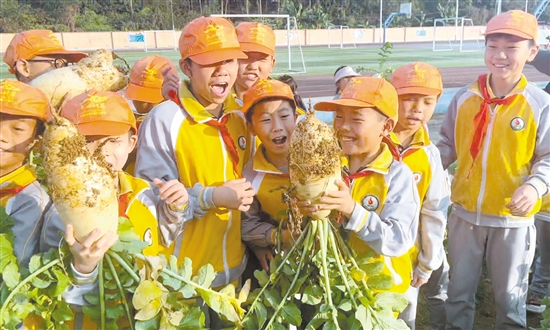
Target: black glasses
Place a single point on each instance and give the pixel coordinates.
(56, 62)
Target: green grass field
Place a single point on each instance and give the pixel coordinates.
(323, 60)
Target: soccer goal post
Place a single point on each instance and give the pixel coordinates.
(158, 40)
(292, 36)
(341, 44)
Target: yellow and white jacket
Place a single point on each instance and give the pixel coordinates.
(26, 203)
(385, 218)
(424, 160)
(516, 150)
(260, 223)
(178, 144)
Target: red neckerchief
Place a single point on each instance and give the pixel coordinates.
(11, 191)
(349, 178)
(123, 205)
(395, 151)
(481, 120)
(222, 127)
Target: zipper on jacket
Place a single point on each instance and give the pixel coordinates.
(224, 242)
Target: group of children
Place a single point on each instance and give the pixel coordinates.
(209, 160)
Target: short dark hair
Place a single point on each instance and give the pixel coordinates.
(250, 111)
(289, 80)
(339, 68)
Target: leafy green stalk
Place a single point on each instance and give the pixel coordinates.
(332, 243)
(322, 230)
(25, 281)
(305, 251)
(101, 295)
(120, 289)
(124, 265)
(294, 247)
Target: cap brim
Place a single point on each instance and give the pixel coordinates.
(247, 107)
(513, 32)
(143, 94)
(19, 112)
(221, 55)
(250, 47)
(103, 128)
(70, 55)
(334, 104)
(419, 90)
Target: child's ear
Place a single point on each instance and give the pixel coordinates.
(133, 142)
(533, 52)
(22, 67)
(250, 128)
(389, 125)
(185, 66)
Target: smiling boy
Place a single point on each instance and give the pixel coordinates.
(201, 140)
(498, 129)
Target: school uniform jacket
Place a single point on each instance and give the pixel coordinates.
(424, 160)
(261, 222)
(516, 150)
(177, 144)
(385, 218)
(26, 202)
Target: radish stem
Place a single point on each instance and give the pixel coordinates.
(101, 295)
(121, 290)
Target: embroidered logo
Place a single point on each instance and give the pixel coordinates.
(370, 202)
(215, 34)
(150, 75)
(517, 124)
(258, 33)
(416, 75)
(54, 39)
(148, 237)
(94, 106)
(8, 92)
(417, 177)
(242, 142)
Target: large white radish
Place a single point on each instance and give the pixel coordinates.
(82, 185)
(314, 160)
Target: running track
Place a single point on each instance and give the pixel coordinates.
(323, 85)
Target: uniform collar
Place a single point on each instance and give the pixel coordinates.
(261, 164)
(518, 89)
(124, 184)
(197, 111)
(381, 164)
(21, 177)
(420, 138)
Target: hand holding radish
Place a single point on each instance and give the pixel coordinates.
(338, 200)
(235, 194)
(265, 257)
(173, 193)
(88, 253)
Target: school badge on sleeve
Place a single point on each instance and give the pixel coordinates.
(242, 142)
(370, 202)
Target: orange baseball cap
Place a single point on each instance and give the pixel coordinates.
(266, 89)
(100, 113)
(19, 99)
(417, 78)
(208, 40)
(256, 37)
(146, 79)
(514, 22)
(366, 92)
(28, 44)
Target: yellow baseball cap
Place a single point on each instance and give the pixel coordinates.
(514, 22)
(19, 99)
(209, 40)
(100, 113)
(266, 89)
(366, 92)
(256, 37)
(146, 79)
(417, 78)
(28, 44)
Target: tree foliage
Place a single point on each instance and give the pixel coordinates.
(128, 15)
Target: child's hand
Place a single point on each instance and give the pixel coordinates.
(286, 238)
(88, 253)
(338, 200)
(173, 193)
(306, 208)
(171, 82)
(523, 200)
(418, 281)
(235, 194)
(265, 257)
